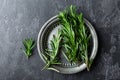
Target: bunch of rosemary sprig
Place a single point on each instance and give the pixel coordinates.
(74, 38)
(75, 35)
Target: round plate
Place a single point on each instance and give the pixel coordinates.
(49, 29)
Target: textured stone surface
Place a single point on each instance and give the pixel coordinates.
(23, 18)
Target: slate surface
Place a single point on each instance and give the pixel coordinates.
(23, 18)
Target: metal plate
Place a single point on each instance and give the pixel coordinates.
(45, 35)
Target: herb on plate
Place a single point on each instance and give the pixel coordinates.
(75, 36)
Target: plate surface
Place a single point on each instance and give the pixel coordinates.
(49, 29)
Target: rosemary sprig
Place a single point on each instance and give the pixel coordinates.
(83, 40)
(29, 44)
(50, 55)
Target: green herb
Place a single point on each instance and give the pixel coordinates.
(29, 44)
(75, 36)
(50, 55)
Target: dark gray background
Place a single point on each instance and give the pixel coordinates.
(20, 19)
